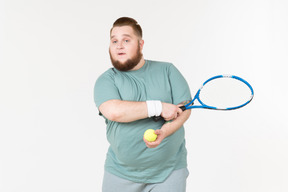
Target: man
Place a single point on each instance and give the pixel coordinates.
(127, 96)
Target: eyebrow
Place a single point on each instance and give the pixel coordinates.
(126, 35)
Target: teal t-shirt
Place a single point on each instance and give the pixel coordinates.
(128, 157)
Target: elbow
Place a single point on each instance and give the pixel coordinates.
(109, 110)
(114, 116)
(112, 111)
(111, 115)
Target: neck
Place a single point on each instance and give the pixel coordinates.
(139, 65)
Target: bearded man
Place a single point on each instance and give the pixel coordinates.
(127, 96)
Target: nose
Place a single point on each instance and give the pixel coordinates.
(120, 45)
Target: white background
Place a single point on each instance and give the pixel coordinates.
(52, 52)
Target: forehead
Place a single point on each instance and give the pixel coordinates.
(122, 31)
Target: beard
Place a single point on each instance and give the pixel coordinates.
(129, 64)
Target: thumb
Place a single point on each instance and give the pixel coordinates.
(179, 110)
(157, 131)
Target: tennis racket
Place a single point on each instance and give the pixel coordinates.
(221, 92)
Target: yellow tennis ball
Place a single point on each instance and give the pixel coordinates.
(150, 135)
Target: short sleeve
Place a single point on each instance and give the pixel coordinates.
(179, 86)
(105, 88)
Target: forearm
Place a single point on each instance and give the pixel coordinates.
(128, 111)
(171, 127)
(168, 129)
(124, 111)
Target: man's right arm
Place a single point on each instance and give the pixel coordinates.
(128, 111)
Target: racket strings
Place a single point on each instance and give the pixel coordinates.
(224, 93)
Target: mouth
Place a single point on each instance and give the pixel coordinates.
(121, 54)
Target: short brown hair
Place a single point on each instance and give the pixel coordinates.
(127, 21)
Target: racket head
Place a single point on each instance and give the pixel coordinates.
(223, 92)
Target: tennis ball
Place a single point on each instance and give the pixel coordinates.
(150, 135)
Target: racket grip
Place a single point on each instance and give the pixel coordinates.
(183, 108)
(157, 118)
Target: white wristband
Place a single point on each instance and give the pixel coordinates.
(154, 108)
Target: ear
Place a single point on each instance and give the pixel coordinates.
(141, 42)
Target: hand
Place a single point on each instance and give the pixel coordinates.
(170, 111)
(160, 136)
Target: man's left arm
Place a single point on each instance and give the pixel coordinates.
(169, 128)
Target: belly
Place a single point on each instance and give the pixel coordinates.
(130, 150)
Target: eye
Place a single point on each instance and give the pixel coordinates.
(126, 41)
(113, 41)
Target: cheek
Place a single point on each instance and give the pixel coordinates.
(132, 50)
(112, 51)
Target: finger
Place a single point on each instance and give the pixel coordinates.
(150, 144)
(169, 119)
(179, 111)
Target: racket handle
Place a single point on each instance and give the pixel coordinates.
(157, 118)
(183, 108)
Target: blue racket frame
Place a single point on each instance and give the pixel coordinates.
(203, 105)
